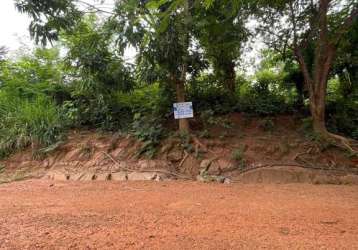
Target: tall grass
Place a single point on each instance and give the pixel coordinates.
(25, 122)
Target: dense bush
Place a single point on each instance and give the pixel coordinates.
(342, 117)
(90, 105)
(31, 93)
(35, 122)
(342, 107)
(208, 94)
(263, 96)
(150, 99)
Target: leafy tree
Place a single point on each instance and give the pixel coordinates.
(346, 63)
(49, 17)
(222, 33)
(97, 71)
(90, 54)
(162, 33)
(286, 65)
(41, 71)
(322, 24)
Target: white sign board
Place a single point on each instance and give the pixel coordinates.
(183, 110)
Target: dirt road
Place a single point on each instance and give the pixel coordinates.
(176, 215)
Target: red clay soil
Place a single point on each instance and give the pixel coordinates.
(40, 214)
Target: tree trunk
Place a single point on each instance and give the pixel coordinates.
(230, 77)
(316, 80)
(224, 69)
(180, 85)
(180, 92)
(317, 108)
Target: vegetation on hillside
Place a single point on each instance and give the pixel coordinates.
(186, 51)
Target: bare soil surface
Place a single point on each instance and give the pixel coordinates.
(43, 214)
(244, 144)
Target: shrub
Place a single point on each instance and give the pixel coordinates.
(342, 116)
(150, 99)
(150, 131)
(35, 122)
(256, 100)
(238, 156)
(208, 94)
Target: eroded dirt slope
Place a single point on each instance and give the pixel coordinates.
(176, 215)
(234, 144)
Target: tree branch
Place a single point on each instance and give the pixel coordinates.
(91, 6)
(346, 25)
(303, 66)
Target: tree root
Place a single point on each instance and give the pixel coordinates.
(309, 166)
(342, 142)
(186, 154)
(304, 153)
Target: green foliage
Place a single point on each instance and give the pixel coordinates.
(342, 116)
(258, 99)
(194, 44)
(49, 17)
(30, 91)
(207, 94)
(144, 110)
(209, 118)
(148, 130)
(307, 125)
(342, 107)
(238, 156)
(35, 122)
(222, 35)
(147, 99)
(309, 133)
(90, 106)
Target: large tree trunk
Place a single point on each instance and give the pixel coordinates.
(316, 80)
(317, 87)
(224, 69)
(318, 108)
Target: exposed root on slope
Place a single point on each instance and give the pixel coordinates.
(343, 142)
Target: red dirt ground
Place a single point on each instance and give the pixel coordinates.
(40, 214)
